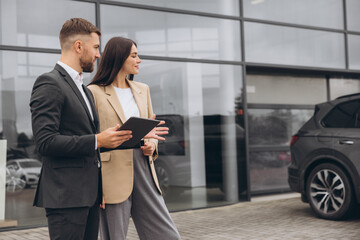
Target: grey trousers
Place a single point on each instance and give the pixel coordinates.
(146, 207)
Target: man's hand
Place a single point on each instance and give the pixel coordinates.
(156, 131)
(148, 148)
(111, 138)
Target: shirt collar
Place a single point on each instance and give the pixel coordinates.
(77, 77)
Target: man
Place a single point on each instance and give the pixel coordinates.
(65, 127)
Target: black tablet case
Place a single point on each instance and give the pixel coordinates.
(139, 127)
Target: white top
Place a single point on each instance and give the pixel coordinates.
(127, 101)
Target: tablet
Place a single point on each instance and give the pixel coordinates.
(139, 127)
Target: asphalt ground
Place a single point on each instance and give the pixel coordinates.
(270, 218)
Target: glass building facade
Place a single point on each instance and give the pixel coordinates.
(233, 79)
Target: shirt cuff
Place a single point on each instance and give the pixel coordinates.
(95, 142)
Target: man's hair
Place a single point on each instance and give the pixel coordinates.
(76, 26)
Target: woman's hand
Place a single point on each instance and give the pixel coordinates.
(102, 205)
(157, 131)
(148, 148)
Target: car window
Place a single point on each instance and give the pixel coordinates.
(30, 164)
(12, 166)
(344, 115)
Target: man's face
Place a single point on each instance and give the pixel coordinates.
(90, 52)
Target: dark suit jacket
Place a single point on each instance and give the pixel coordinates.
(65, 138)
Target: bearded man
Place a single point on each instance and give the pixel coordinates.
(66, 131)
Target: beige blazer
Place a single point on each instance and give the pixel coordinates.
(117, 165)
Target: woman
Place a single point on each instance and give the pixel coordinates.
(130, 187)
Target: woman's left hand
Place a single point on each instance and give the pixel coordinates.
(148, 148)
(157, 131)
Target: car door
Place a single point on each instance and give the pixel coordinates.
(342, 126)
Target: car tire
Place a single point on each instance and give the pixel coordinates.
(23, 178)
(329, 192)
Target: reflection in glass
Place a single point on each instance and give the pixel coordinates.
(274, 127)
(193, 165)
(268, 170)
(341, 86)
(269, 131)
(18, 72)
(293, 46)
(354, 51)
(226, 7)
(17, 75)
(305, 12)
(282, 89)
(173, 35)
(39, 27)
(353, 17)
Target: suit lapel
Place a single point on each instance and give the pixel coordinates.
(93, 109)
(73, 86)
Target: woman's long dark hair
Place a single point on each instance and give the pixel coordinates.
(116, 51)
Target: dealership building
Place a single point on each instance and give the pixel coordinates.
(233, 79)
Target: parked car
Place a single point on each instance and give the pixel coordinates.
(325, 163)
(22, 173)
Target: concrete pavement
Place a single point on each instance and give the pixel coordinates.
(270, 218)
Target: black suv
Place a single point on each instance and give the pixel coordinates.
(325, 158)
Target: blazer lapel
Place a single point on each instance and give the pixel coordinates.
(93, 108)
(73, 86)
(140, 98)
(115, 103)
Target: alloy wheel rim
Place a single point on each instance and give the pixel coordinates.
(327, 191)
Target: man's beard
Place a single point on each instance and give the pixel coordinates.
(86, 64)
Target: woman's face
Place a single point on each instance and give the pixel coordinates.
(131, 64)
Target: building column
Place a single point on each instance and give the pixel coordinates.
(8, 70)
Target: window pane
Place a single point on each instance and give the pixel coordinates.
(173, 35)
(353, 17)
(226, 7)
(345, 115)
(340, 87)
(269, 131)
(197, 101)
(40, 26)
(354, 51)
(305, 12)
(293, 46)
(268, 171)
(18, 72)
(278, 89)
(274, 127)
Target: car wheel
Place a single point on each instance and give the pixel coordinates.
(329, 192)
(163, 178)
(14, 183)
(23, 178)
